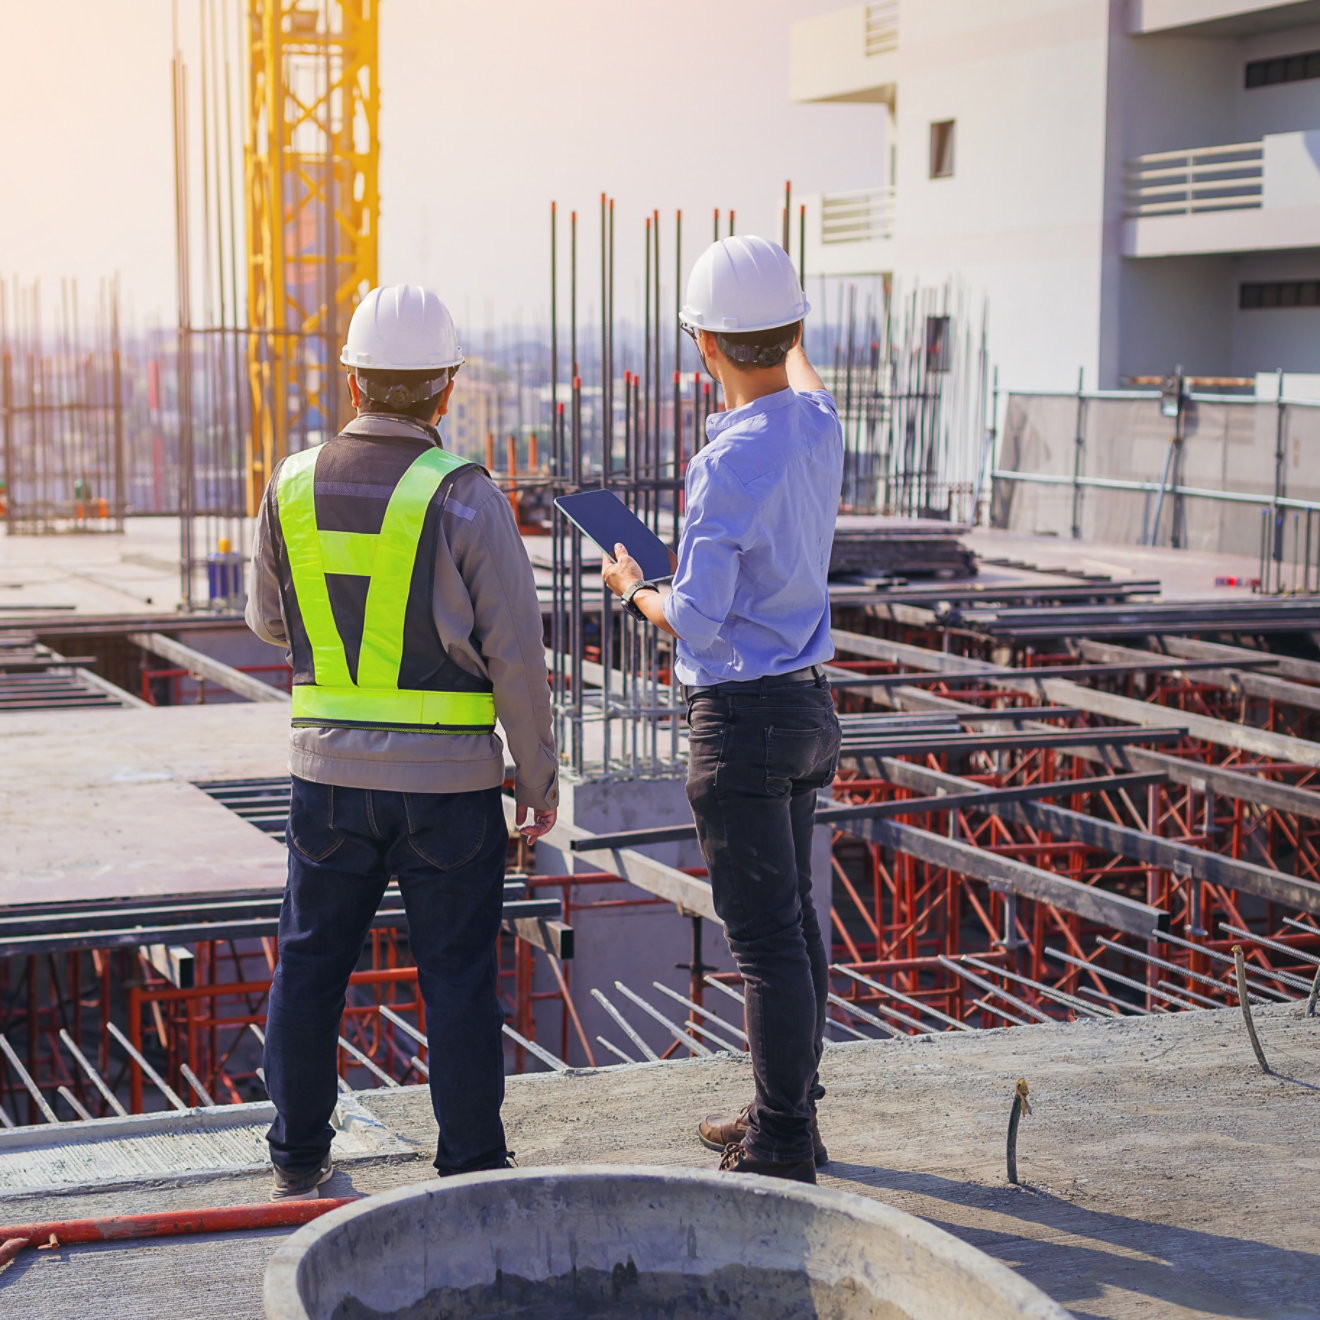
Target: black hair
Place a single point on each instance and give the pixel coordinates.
(395, 392)
(758, 348)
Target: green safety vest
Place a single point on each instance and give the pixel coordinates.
(387, 559)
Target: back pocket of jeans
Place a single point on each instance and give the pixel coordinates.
(446, 830)
(312, 820)
(796, 756)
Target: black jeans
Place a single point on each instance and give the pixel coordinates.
(447, 851)
(757, 754)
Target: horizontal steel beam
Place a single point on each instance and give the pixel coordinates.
(14, 946)
(1234, 678)
(1121, 840)
(1223, 733)
(1285, 666)
(1008, 875)
(690, 895)
(918, 744)
(1139, 665)
(207, 667)
(833, 815)
(1196, 775)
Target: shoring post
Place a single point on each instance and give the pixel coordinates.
(135, 1039)
(1280, 428)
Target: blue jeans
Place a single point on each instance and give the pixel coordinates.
(447, 852)
(757, 754)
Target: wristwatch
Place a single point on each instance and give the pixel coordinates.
(631, 590)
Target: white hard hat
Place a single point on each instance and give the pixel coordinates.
(743, 283)
(401, 327)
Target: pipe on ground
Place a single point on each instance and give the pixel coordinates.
(115, 1228)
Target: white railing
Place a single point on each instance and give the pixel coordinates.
(881, 27)
(1190, 182)
(851, 217)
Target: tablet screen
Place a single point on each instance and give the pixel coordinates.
(607, 520)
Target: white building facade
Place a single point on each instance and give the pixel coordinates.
(1132, 184)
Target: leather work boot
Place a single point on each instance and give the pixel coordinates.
(718, 1130)
(290, 1186)
(737, 1160)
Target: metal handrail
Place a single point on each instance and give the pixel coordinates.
(881, 27)
(1261, 498)
(851, 217)
(1200, 179)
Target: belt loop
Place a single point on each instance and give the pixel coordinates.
(762, 686)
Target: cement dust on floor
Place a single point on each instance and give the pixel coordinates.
(1165, 1175)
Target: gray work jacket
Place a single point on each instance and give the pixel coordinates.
(489, 621)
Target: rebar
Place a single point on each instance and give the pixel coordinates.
(1020, 1106)
(1244, 1000)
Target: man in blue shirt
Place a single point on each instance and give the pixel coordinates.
(749, 607)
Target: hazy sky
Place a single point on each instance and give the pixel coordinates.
(490, 108)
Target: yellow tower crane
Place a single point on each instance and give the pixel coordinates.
(311, 162)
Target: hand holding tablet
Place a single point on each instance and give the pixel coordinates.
(607, 520)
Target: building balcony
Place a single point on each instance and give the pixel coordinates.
(850, 233)
(848, 55)
(1239, 197)
(1219, 18)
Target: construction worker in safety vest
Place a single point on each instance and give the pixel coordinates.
(394, 575)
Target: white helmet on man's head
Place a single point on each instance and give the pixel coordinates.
(742, 284)
(401, 327)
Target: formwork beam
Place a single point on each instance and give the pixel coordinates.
(1169, 854)
(1222, 733)
(1007, 875)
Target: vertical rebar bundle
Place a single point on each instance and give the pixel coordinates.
(62, 412)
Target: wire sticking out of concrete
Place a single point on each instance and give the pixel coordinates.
(1314, 995)
(1020, 1106)
(1239, 966)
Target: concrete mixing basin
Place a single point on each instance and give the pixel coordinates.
(622, 1242)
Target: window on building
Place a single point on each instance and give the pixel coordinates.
(1283, 69)
(1279, 293)
(941, 149)
(937, 343)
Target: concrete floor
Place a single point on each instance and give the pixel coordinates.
(1165, 1175)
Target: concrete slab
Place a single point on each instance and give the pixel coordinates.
(1165, 1177)
(101, 572)
(104, 806)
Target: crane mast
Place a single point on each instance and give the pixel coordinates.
(311, 164)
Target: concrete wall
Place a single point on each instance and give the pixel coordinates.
(1022, 217)
(1177, 311)
(828, 60)
(1267, 338)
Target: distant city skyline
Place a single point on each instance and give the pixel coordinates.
(488, 112)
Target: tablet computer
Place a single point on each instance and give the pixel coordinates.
(607, 520)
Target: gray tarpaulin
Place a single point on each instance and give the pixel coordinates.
(1227, 446)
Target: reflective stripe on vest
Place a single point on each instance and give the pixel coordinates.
(387, 560)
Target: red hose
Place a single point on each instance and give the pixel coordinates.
(114, 1228)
